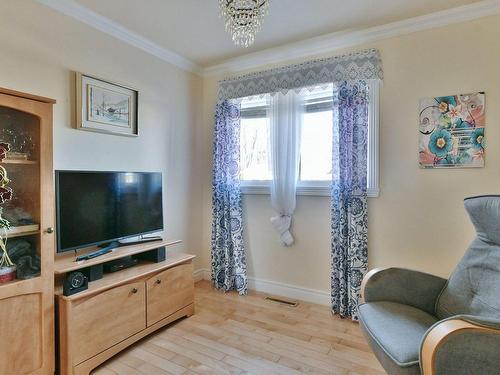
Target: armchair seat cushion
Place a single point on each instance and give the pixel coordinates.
(397, 329)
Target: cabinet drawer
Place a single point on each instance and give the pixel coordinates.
(169, 291)
(104, 320)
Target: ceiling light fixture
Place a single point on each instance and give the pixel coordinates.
(243, 19)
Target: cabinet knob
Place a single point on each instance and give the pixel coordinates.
(158, 281)
(135, 290)
(50, 230)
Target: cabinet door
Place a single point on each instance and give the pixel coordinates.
(21, 334)
(169, 291)
(105, 319)
(27, 302)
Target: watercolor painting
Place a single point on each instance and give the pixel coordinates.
(452, 131)
(108, 107)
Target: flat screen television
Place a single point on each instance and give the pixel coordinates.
(95, 208)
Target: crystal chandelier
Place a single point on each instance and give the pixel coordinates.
(243, 19)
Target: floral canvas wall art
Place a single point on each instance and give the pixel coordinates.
(452, 131)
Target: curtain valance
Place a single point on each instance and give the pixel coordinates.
(353, 66)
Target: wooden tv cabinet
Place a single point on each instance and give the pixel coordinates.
(121, 308)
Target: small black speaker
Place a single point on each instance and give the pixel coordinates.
(93, 273)
(75, 282)
(156, 255)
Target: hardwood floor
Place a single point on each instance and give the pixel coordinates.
(230, 334)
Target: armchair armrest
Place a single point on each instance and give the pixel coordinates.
(404, 286)
(461, 345)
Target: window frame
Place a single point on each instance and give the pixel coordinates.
(322, 188)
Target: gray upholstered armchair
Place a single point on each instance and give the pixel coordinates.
(418, 323)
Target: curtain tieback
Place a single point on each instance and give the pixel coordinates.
(282, 225)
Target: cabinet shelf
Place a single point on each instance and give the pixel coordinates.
(140, 270)
(20, 281)
(30, 233)
(24, 230)
(20, 286)
(66, 262)
(20, 161)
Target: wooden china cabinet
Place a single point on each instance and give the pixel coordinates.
(27, 302)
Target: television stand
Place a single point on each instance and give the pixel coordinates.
(120, 308)
(103, 250)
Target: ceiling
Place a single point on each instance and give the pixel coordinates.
(193, 29)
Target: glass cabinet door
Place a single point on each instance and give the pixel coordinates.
(27, 235)
(20, 194)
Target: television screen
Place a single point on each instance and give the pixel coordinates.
(98, 207)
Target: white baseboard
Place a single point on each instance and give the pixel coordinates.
(289, 291)
(199, 275)
(276, 288)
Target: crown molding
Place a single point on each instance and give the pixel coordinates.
(104, 24)
(331, 42)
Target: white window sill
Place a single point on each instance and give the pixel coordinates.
(316, 191)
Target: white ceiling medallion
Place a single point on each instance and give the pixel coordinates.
(243, 19)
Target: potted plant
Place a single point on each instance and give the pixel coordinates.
(7, 267)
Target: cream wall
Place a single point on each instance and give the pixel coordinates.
(38, 50)
(418, 221)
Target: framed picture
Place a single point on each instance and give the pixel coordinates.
(452, 131)
(106, 107)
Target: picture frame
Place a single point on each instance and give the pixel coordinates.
(106, 107)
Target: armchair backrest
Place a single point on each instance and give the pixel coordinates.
(474, 286)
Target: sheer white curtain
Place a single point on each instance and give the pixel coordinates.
(286, 119)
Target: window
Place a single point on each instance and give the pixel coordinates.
(316, 138)
(254, 140)
(316, 143)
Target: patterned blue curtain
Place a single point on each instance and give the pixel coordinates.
(349, 223)
(229, 269)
